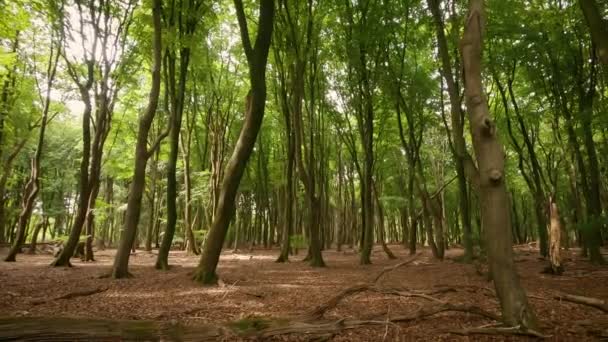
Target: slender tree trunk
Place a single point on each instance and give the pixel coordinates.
(491, 179)
(177, 106)
(34, 238)
(381, 231)
(461, 157)
(188, 219)
(554, 228)
(142, 154)
(257, 56)
(152, 203)
(33, 185)
(289, 192)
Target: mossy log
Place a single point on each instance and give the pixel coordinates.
(84, 329)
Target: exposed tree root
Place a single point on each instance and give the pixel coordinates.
(394, 267)
(320, 310)
(597, 303)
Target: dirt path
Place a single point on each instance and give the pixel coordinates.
(256, 286)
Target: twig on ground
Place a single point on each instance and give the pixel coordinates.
(388, 315)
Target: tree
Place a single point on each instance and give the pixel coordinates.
(598, 27)
(257, 56)
(181, 18)
(461, 157)
(298, 42)
(98, 80)
(490, 157)
(142, 153)
(32, 186)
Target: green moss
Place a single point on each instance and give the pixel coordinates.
(249, 324)
(205, 278)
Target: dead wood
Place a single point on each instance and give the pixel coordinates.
(498, 331)
(70, 295)
(394, 267)
(81, 329)
(597, 303)
(78, 329)
(597, 327)
(431, 310)
(83, 293)
(320, 310)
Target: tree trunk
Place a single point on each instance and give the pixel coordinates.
(34, 238)
(493, 197)
(461, 157)
(597, 26)
(127, 236)
(188, 219)
(33, 185)
(289, 191)
(257, 56)
(152, 203)
(177, 107)
(381, 231)
(554, 228)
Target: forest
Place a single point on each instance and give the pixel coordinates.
(272, 170)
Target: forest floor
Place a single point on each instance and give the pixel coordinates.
(255, 286)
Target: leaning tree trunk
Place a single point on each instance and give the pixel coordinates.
(257, 56)
(120, 269)
(493, 196)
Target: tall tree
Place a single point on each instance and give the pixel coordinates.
(461, 157)
(98, 77)
(142, 154)
(32, 187)
(257, 57)
(495, 215)
(297, 18)
(182, 17)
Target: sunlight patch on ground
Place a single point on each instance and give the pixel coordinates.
(247, 257)
(287, 286)
(134, 295)
(213, 291)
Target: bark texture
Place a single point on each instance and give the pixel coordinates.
(494, 200)
(597, 26)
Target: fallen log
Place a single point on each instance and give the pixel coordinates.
(498, 331)
(70, 295)
(597, 303)
(82, 329)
